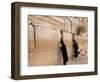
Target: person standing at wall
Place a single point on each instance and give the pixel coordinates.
(64, 52)
(75, 47)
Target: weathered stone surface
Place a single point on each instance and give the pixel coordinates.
(44, 39)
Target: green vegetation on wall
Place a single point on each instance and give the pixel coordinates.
(80, 29)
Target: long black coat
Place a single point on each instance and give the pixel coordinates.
(64, 52)
(75, 46)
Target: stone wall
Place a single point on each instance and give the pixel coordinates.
(44, 49)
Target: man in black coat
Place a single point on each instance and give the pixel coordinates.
(64, 52)
(75, 47)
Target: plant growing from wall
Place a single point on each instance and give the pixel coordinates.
(80, 29)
